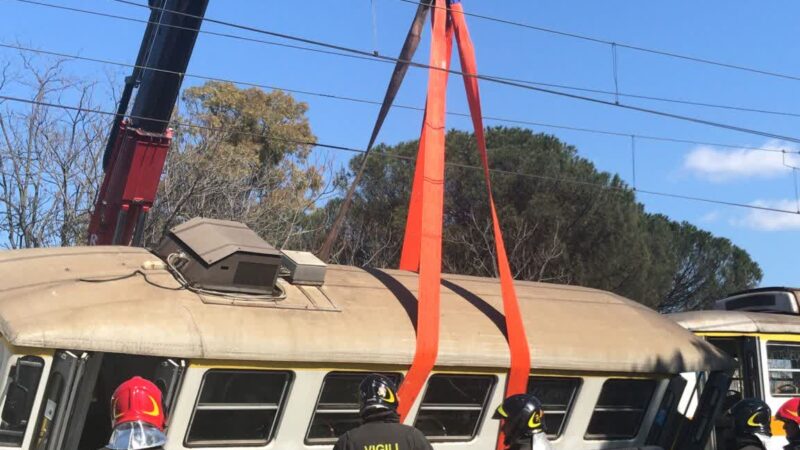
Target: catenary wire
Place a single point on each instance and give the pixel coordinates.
(412, 159)
(492, 79)
(638, 48)
(374, 57)
(399, 106)
(178, 27)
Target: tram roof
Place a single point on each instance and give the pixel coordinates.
(102, 299)
(737, 322)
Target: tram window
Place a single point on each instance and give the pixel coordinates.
(23, 382)
(337, 407)
(453, 406)
(620, 409)
(239, 407)
(784, 369)
(557, 395)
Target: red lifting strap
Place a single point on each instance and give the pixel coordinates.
(430, 228)
(426, 215)
(517, 382)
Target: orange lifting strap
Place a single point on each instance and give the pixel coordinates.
(422, 246)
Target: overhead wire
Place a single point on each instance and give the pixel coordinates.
(492, 79)
(179, 27)
(621, 189)
(638, 48)
(366, 55)
(399, 106)
(372, 56)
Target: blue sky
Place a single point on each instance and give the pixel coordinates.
(743, 33)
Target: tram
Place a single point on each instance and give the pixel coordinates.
(242, 371)
(760, 329)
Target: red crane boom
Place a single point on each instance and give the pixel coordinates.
(138, 143)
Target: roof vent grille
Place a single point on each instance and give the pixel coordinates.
(220, 255)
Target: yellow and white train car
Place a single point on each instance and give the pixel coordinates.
(760, 329)
(256, 374)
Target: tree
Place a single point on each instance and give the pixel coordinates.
(240, 154)
(705, 268)
(558, 225)
(48, 156)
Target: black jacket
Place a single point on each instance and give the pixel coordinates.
(383, 434)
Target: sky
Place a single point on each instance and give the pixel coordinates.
(754, 34)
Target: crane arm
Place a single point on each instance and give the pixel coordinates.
(138, 145)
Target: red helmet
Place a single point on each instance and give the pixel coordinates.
(789, 411)
(137, 416)
(137, 400)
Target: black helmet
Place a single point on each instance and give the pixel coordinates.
(377, 393)
(751, 416)
(523, 416)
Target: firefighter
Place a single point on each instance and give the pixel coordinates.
(382, 428)
(523, 423)
(137, 416)
(751, 425)
(788, 414)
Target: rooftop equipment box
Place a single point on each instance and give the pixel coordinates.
(772, 299)
(222, 256)
(304, 268)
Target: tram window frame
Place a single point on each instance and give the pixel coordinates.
(611, 387)
(550, 408)
(201, 406)
(455, 406)
(770, 370)
(343, 409)
(12, 435)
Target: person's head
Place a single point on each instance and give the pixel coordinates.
(377, 394)
(789, 415)
(137, 416)
(522, 416)
(751, 416)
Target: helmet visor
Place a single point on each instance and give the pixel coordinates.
(135, 436)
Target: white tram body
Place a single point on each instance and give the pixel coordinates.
(244, 374)
(760, 329)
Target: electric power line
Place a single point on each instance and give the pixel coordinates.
(376, 58)
(367, 56)
(622, 189)
(178, 27)
(399, 106)
(372, 56)
(492, 79)
(638, 48)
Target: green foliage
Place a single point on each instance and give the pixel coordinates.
(558, 225)
(249, 160)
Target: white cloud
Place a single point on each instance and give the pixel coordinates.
(710, 217)
(763, 220)
(719, 165)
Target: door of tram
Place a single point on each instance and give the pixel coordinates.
(75, 413)
(745, 381)
(747, 375)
